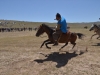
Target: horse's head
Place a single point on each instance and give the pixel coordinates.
(44, 28)
(40, 30)
(94, 27)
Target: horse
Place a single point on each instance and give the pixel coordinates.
(85, 27)
(64, 38)
(96, 29)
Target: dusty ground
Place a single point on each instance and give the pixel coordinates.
(20, 54)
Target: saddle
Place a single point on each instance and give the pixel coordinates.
(64, 37)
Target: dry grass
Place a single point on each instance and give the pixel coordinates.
(20, 55)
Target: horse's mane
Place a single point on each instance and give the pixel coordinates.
(98, 26)
(48, 27)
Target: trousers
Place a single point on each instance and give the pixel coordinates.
(57, 34)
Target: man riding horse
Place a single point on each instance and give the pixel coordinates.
(61, 35)
(61, 28)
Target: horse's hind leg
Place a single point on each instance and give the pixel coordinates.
(64, 46)
(73, 43)
(73, 39)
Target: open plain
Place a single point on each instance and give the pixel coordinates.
(20, 54)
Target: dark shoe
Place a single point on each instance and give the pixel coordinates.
(55, 44)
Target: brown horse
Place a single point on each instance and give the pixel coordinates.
(64, 38)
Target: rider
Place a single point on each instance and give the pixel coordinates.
(60, 28)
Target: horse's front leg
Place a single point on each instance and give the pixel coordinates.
(47, 44)
(44, 43)
(93, 35)
(64, 45)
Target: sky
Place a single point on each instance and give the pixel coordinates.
(45, 10)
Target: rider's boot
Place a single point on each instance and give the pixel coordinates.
(55, 43)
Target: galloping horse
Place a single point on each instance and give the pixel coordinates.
(64, 38)
(96, 29)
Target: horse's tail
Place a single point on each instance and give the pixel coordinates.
(80, 35)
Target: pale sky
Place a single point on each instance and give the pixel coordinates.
(45, 10)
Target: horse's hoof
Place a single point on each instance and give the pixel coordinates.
(59, 49)
(49, 47)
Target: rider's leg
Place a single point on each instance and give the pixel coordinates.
(56, 36)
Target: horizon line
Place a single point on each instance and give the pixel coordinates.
(47, 22)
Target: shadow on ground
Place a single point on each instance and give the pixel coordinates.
(60, 59)
(97, 44)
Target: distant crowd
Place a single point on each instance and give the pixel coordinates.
(15, 29)
(21, 29)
